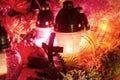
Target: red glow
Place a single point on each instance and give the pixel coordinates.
(104, 20)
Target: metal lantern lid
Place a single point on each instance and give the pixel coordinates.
(45, 17)
(68, 4)
(67, 19)
(4, 41)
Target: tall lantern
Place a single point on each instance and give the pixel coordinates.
(10, 60)
(69, 34)
(44, 25)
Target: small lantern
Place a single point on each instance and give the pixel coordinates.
(44, 25)
(10, 60)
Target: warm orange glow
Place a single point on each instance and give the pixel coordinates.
(75, 44)
(103, 25)
(107, 33)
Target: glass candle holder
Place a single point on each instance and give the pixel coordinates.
(76, 45)
(10, 60)
(11, 64)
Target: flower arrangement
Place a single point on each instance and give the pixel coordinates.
(109, 67)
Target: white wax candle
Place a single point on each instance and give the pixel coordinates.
(3, 63)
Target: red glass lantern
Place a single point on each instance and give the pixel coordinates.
(10, 60)
(44, 25)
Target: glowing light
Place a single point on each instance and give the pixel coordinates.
(74, 44)
(3, 63)
(103, 25)
(46, 23)
(42, 35)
